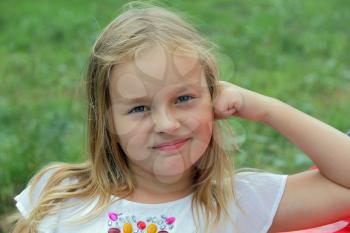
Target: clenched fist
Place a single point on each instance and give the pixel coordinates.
(233, 100)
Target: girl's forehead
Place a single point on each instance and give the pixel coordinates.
(156, 70)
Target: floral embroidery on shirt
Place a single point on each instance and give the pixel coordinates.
(118, 223)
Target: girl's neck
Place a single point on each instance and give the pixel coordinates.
(151, 189)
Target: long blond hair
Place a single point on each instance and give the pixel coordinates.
(106, 168)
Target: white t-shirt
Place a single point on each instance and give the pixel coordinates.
(259, 194)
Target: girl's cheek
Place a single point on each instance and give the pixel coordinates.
(133, 131)
(125, 125)
(134, 147)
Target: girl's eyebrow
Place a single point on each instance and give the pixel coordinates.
(128, 101)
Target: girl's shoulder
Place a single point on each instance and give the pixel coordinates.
(260, 182)
(39, 184)
(258, 195)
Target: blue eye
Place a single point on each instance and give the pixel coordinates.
(137, 109)
(185, 98)
(142, 108)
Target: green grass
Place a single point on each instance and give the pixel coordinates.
(296, 51)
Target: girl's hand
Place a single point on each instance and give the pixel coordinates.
(233, 100)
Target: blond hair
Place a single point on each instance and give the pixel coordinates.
(138, 26)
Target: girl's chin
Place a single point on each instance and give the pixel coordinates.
(169, 169)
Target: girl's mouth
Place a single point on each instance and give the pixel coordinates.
(172, 146)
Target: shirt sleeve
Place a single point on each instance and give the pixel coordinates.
(259, 195)
(25, 202)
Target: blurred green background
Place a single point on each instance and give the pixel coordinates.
(294, 50)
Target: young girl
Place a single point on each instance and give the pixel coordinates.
(157, 162)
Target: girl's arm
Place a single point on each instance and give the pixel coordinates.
(327, 147)
(312, 198)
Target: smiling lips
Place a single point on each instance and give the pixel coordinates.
(171, 146)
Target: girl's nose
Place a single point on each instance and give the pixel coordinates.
(165, 122)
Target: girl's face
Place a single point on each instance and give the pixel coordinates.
(157, 98)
